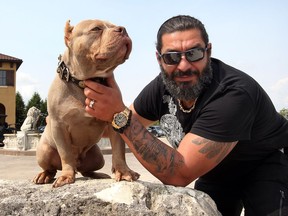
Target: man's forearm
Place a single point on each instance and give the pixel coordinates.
(157, 157)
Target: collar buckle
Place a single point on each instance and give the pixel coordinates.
(63, 71)
(65, 74)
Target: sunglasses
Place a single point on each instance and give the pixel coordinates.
(192, 55)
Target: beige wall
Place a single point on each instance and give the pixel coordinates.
(8, 95)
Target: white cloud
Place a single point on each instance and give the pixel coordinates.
(278, 92)
(280, 85)
(26, 85)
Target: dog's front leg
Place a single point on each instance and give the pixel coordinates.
(67, 176)
(119, 165)
(63, 141)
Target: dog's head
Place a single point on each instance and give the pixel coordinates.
(95, 48)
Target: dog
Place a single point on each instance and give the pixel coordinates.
(94, 49)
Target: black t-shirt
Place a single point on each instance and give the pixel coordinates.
(233, 108)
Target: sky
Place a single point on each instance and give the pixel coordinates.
(250, 35)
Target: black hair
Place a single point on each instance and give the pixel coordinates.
(180, 23)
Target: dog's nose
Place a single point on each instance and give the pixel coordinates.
(121, 29)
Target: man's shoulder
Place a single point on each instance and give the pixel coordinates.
(229, 75)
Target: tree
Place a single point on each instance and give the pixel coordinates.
(35, 101)
(284, 112)
(44, 112)
(43, 107)
(20, 110)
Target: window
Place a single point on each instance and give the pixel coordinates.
(6, 78)
(2, 78)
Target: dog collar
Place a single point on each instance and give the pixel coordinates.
(65, 74)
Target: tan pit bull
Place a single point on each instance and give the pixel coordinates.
(94, 49)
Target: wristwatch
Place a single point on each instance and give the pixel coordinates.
(121, 120)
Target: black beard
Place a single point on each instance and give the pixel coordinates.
(184, 90)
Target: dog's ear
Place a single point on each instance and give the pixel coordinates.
(68, 32)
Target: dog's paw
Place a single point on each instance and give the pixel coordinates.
(127, 174)
(44, 177)
(63, 180)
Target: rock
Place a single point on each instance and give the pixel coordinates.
(102, 197)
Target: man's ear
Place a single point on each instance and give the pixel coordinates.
(209, 49)
(158, 58)
(68, 32)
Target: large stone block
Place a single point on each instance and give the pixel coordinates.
(103, 197)
(21, 141)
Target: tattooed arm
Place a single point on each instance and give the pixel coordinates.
(194, 157)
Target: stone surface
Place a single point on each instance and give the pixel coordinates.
(28, 141)
(102, 197)
(22, 141)
(32, 119)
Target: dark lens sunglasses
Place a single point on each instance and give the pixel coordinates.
(192, 55)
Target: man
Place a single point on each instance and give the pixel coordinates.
(224, 128)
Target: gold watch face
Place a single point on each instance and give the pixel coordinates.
(120, 119)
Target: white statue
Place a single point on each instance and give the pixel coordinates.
(30, 123)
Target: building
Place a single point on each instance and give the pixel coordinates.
(8, 67)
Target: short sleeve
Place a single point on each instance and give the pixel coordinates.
(148, 103)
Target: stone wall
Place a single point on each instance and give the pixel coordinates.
(21, 141)
(24, 141)
(103, 197)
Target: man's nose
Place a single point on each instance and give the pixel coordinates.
(184, 64)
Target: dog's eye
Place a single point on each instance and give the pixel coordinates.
(97, 28)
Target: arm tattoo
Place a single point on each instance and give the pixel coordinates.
(212, 149)
(152, 150)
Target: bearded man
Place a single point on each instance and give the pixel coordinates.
(224, 130)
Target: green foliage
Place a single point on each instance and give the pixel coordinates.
(284, 112)
(43, 107)
(35, 101)
(21, 109)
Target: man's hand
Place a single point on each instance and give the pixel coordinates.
(107, 99)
